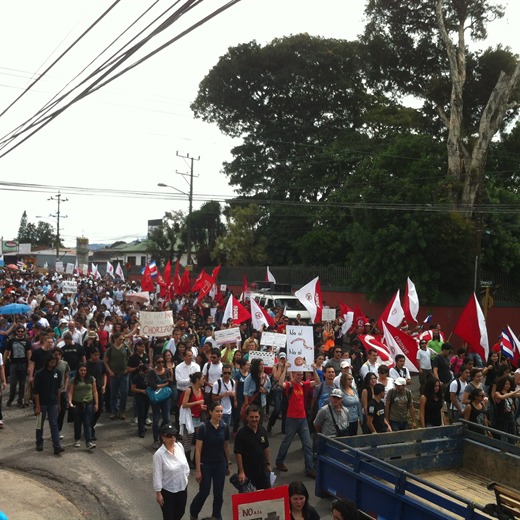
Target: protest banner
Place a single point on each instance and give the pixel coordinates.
(273, 338)
(69, 287)
(227, 336)
(158, 324)
(266, 357)
(300, 348)
(328, 314)
(59, 267)
(266, 504)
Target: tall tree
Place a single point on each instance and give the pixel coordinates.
(168, 241)
(413, 46)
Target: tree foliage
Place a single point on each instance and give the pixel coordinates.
(168, 241)
(39, 234)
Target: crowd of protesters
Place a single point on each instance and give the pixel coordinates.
(83, 354)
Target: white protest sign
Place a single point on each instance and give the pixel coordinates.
(69, 287)
(59, 267)
(300, 348)
(84, 268)
(156, 323)
(328, 314)
(70, 268)
(227, 336)
(273, 338)
(266, 357)
(223, 287)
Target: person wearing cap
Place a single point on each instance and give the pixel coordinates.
(398, 404)
(170, 475)
(345, 368)
(59, 330)
(399, 370)
(332, 419)
(377, 421)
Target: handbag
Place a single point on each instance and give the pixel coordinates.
(245, 408)
(159, 395)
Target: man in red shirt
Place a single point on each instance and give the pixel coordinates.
(296, 421)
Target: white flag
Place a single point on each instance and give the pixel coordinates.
(110, 269)
(270, 277)
(257, 316)
(310, 296)
(119, 272)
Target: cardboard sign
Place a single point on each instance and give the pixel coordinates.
(59, 267)
(266, 504)
(273, 338)
(69, 287)
(266, 357)
(158, 324)
(227, 336)
(300, 348)
(328, 314)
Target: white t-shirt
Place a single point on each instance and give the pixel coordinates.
(458, 396)
(226, 402)
(424, 358)
(212, 372)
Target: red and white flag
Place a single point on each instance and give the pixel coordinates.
(348, 317)
(515, 347)
(393, 313)
(205, 285)
(269, 276)
(399, 342)
(236, 311)
(410, 302)
(359, 318)
(310, 296)
(119, 272)
(95, 272)
(370, 341)
(110, 269)
(471, 327)
(259, 316)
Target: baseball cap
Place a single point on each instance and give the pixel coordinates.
(282, 355)
(400, 381)
(344, 364)
(169, 429)
(336, 393)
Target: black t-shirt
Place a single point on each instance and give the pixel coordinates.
(213, 442)
(251, 446)
(443, 368)
(73, 354)
(140, 381)
(18, 350)
(97, 370)
(46, 385)
(38, 358)
(377, 411)
(135, 360)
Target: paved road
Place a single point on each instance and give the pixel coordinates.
(111, 482)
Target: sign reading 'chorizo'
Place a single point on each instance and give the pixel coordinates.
(158, 324)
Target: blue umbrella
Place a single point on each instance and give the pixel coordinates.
(15, 308)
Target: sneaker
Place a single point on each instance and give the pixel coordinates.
(91, 445)
(77, 444)
(61, 436)
(135, 420)
(282, 467)
(122, 416)
(113, 416)
(39, 447)
(156, 445)
(1, 424)
(58, 450)
(148, 421)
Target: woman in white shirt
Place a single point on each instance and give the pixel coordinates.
(170, 475)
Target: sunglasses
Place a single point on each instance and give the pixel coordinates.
(226, 373)
(160, 362)
(169, 435)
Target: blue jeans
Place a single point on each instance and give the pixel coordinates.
(398, 425)
(118, 389)
(83, 417)
(227, 418)
(217, 473)
(158, 410)
(50, 411)
(300, 427)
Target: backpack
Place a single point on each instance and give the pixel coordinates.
(447, 396)
(220, 384)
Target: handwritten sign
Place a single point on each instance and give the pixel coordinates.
(70, 268)
(273, 338)
(59, 267)
(300, 348)
(69, 287)
(266, 504)
(328, 314)
(227, 336)
(157, 324)
(266, 357)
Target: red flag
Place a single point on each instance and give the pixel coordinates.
(184, 286)
(359, 318)
(168, 274)
(410, 302)
(310, 296)
(215, 272)
(348, 317)
(206, 285)
(370, 341)
(245, 289)
(259, 316)
(393, 313)
(236, 311)
(176, 279)
(399, 342)
(471, 327)
(146, 282)
(199, 281)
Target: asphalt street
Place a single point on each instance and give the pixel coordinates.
(113, 481)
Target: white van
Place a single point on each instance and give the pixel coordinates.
(289, 302)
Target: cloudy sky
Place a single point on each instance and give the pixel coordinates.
(125, 136)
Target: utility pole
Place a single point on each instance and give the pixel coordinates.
(57, 217)
(190, 198)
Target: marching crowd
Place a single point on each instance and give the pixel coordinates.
(75, 356)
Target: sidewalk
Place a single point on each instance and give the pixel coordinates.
(22, 498)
